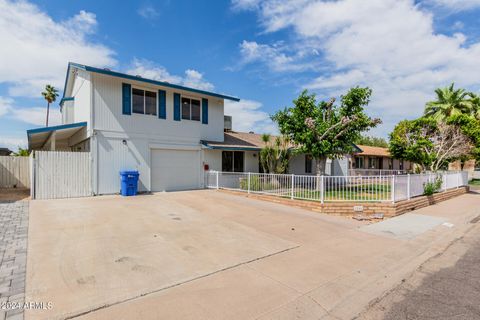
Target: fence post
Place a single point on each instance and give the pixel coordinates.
(393, 188)
(248, 182)
(458, 179)
(217, 179)
(322, 191)
(445, 179)
(293, 183)
(408, 186)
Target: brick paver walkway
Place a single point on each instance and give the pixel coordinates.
(13, 258)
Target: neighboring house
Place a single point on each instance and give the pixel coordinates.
(240, 152)
(377, 158)
(5, 152)
(170, 133)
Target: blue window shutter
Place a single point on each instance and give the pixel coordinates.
(176, 106)
(162, 104)
(205, 111)
(126, 98)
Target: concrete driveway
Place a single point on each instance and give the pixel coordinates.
(211, 255)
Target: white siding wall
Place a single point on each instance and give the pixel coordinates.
(82, 95)
(214, 160)
(114, 156)
(251, 161)
(67, 112)
(108, 114)
(141, 132)
(340, 167)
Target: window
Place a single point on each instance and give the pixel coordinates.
(190, 109)
(401, 165)
(359, 162)
(372, 163)
(390, 163)
(144, 102)
(232, 161)
(308, 163)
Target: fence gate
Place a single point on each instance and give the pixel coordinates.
(59, 174)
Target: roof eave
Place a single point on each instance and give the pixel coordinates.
(155, 82)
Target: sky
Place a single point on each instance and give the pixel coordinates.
(265, 52)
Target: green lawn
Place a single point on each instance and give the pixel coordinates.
(357, 192)
(474, 182)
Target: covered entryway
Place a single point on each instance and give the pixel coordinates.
(175, 169)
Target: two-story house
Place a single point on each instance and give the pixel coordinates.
(170, 133)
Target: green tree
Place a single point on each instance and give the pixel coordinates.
(449, 102)
(470, 126)
(372, 141)
(21, 152)
(275, 155)
(429, 143)
(323, 129)
(50, 94)
(475, 102)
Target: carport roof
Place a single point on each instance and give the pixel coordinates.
(39, 136)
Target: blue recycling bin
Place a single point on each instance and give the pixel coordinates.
(129, 183)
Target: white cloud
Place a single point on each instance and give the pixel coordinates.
(457, 5)
(247, 116)
(31, 115)
(148, 12)
(38, 48)
(5, 105)
(150, 70)
(245, 4)
(195, 79)
(388, 45)
(37, 115)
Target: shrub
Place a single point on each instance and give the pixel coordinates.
(430, 188)
(255, 184)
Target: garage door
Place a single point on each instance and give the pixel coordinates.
(174, 169)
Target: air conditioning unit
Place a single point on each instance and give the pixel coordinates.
(227, 123)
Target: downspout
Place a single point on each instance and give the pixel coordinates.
(93, 142)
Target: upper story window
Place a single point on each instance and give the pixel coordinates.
(190, 109)
(144, 102)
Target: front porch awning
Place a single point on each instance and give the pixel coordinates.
(38, 138)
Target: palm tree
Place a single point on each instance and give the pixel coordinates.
(475, 105)
(449, 102)
(50, 94)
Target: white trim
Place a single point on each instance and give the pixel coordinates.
(174, 146)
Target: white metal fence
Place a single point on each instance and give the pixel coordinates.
(375, 172)
(14, 172)
(58, 174)
(391, 188)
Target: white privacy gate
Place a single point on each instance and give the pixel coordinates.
(60, 174)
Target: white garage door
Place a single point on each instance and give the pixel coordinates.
(175, 169)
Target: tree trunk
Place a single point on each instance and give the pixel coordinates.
(320, 166)
(48, 110)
